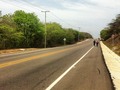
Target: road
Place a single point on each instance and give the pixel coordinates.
(74, 67)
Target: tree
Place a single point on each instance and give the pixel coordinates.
(9, 38)
(70, 36)
(85, 35)
(29, 25)
(105, 34)
(55, 34)
(115, 25)
(113, 28)
(25, 30)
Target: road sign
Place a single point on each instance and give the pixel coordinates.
(64, 39)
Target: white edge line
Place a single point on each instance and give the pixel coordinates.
(60, 77)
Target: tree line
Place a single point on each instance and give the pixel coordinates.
(25, 30)
(112, 29)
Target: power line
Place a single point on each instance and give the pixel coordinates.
(10, 3)
(63, 20)
(38, 7)
(50, 12)
(25, 2)
(0, 13)
(21, 7)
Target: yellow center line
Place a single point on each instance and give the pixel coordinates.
(10, 63)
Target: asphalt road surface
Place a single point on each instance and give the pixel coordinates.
(74, 67)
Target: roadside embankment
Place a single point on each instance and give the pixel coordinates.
(112, 61)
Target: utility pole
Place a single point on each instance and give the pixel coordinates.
(78, 34)
(45, 29)
(0, 15)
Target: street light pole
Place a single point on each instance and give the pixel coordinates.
(0, 13)
(78, 34)
(45, 29)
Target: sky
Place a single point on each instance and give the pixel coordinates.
(84, 15)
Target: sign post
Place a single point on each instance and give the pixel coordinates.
(64, 41)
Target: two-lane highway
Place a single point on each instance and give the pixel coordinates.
(38, 70)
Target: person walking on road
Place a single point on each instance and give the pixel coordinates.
(97, 43)
(94, 42)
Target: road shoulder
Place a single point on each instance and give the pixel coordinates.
(112, 61)
(89, 74)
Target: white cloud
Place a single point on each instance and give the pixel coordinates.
(90, 15)
(107, 3)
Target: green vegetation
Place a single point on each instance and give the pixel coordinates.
(112, 29)
(111, 35)
(25, 30)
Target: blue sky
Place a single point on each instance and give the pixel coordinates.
(90, 15)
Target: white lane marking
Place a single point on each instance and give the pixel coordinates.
(60, 77)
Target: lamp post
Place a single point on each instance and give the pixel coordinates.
(0, 15)
(78, 34)
(64, 41)
(45, 43)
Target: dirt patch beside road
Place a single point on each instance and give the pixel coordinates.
(16, 50)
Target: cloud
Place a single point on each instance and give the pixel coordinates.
(90, 15)
(107, 3)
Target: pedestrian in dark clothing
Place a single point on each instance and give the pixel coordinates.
(94, 42)
(97, 43)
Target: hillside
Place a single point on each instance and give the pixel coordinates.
(111, 35)
(114, 44)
